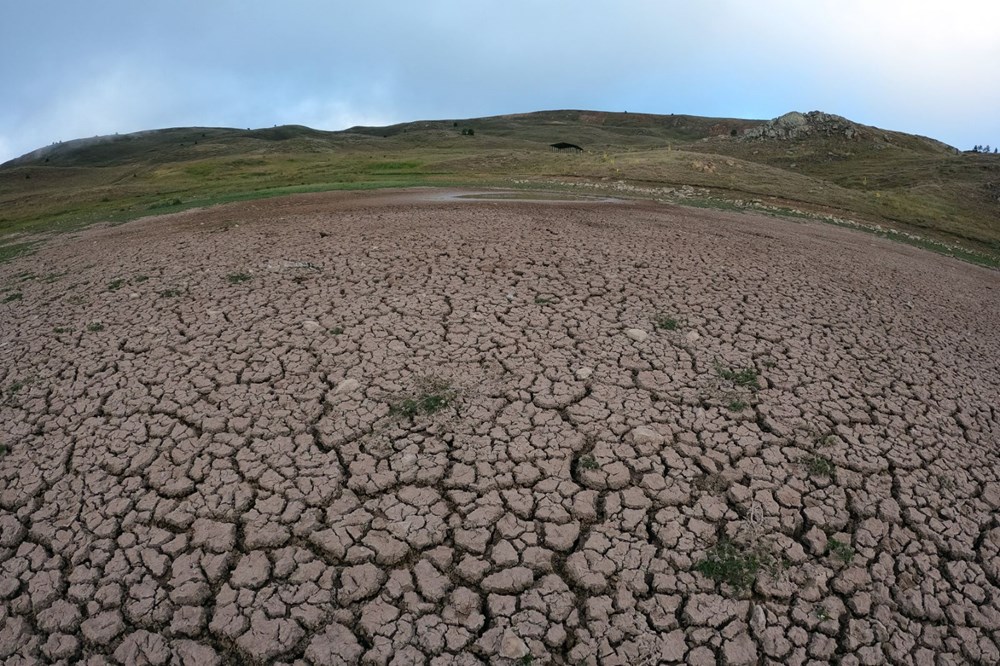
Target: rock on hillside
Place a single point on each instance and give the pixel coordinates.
(794, 125)
(818, 125)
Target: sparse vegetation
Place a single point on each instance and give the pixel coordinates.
(8, 252)
(732, 565)
(828, 440)
(840, 550)
(164, 204)
(3, 450)
(826, 174)
(15, 296)
(736, 405)
(95, 326)
(542, 300)
(170, 293)
(820, 466)
(237, 278)
(138, 279)
(666, 323)
(16, 387)
(115, 285)
(589, 462)
(746, 377)
(336, 330)
(432, 396)
(62, 329)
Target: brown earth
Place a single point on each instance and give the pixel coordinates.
(203, 470)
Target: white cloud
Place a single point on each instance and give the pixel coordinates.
(914, 65)
(337, 114)
(120, 99)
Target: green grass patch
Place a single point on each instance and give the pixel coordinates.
(820, 466)
(398, 165)
(746, 377)
(138, 279)
(432, 396)
(95, 326)
(736, 405)
(115, 285)
(237, 278)
(840, 550)
(16, 296)
(336, 330)
(666, 323)
(62, 329)
(11, 252)
(732, 565)
(170, 293)
(589, 462)
(170, 203)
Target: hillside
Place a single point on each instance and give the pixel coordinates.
(813, 162)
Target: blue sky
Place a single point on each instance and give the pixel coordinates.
(71, 69)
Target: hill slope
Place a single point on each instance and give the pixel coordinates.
(813, 161)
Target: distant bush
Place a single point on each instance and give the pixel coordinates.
(468, 131)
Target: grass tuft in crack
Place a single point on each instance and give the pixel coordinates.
(16, 296)
(820, 466)
(840, 550)
(237, 278)
(588, 462)
(746, 377)
(432, 396)
(95, 326)
(730, 564)
(666, 323)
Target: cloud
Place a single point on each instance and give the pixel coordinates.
(335, 114)
(85, 69)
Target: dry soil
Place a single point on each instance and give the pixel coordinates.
(409, 428)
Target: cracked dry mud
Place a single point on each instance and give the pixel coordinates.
(201, 468)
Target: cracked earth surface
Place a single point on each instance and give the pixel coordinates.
(205, 458)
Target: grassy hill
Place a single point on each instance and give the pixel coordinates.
(800, 163)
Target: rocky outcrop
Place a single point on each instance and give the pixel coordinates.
(796, 125)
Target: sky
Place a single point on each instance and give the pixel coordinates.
(71, 69)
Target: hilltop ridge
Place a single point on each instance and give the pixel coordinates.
(807, 161)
